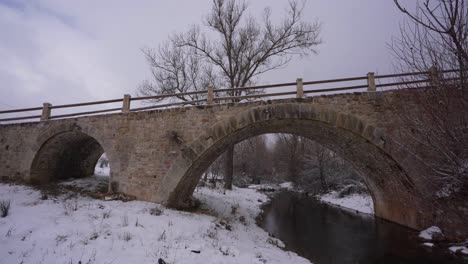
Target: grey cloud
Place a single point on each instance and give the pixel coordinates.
(71, 51)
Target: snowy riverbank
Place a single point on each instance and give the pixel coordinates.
(355, 201)
(359, 202)
(69, 230)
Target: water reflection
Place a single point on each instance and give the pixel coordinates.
(326, 234)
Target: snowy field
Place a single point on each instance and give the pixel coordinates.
(68, 229)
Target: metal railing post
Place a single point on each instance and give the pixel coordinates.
(210, 95)
(370, 82)
(45, 111)
(126, 103)
(299, 88)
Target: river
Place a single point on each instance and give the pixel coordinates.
(326, 234)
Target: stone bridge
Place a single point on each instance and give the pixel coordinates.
(160, 155)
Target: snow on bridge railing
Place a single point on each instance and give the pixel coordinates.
(213, 96)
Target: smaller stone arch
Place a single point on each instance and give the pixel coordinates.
(64, 152)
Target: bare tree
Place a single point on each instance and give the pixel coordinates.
(311, 166)
(320, 158)
(253, 160)
(436, 37)
(443, 21)
(213, 173)
(244, 48)
(177, 70)
(289, 151)
(231, 50)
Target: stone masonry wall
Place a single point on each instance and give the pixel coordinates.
(145, 148)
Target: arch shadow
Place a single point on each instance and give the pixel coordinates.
(66, 154)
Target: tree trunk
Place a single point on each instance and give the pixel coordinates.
(293, 170)
(229, 167)
(322, 177)
(463, 77)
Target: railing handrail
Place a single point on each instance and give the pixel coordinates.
(370, 85)
(20, 110)
(87, 103)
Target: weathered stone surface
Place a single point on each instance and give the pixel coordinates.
(160, 155)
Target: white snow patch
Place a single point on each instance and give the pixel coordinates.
(446, 190)
(461, 249)
(464, 166)
(359, 202)
(427, 244)
(104, 171)
(275, 187)
(429, 232)
(83, 229)
(287, 185)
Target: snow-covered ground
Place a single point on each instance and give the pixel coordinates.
(359, 202)
(69, 230)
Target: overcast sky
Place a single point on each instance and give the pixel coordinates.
(71, 51)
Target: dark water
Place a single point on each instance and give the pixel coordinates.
(326, 234)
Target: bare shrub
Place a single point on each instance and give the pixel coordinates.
(8, 233)
(212, 233)
(106, 214)
(163, 236)
(4, 208)
(70, 206)
(260, 258)
(234, 209)
(138, 224)
(156, 211)
(60, 239)
(125, 220)
(94, 236)
(243, 220)
(126, 236)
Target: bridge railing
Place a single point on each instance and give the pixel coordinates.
(211, 96)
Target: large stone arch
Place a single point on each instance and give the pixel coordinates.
(360, 143)
(64, 151)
